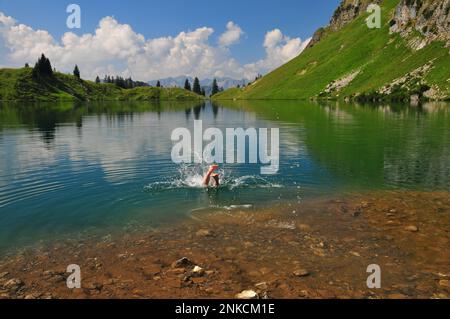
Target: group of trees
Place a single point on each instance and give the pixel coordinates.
(43, 67)
(196, 88)
(121, 82)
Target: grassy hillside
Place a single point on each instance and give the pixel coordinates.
(19, 85)
(368, 59)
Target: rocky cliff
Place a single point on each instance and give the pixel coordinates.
(347, 11)
(421, 22)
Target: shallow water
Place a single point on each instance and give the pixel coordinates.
(66, 170)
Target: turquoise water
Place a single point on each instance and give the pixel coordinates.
(66, 169)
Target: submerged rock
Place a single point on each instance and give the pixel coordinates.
(247, 294)
(198, 271)
(412, 228)
(182, 263)
(32, 296)
(445, 283)
(301, 273)
(95, 286)
(204, 233)
(4, 295)
(262, 286)
(14, 284)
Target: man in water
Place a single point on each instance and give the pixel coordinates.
(214, 176)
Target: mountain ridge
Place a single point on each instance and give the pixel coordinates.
(346, 60)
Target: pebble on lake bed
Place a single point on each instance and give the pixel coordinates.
(445, 283)
(262, 286)
(412, 228)
(14, 284)
(247, 294)
(301, 273)
(204, 233)
(199, 271)
(182, 263)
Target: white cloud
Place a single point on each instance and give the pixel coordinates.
(115, 48)
(231, 36)
(6, 21)
(279, 50)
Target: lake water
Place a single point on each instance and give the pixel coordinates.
(70, 169)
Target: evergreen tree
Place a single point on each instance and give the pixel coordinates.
(187, 85)
(196, 88)
(215, 88)
(203, 92)
(158, 84)
(97, 80)
(129, 83)
(43, 67)
(48, 70)
(76, 72)
(27, 65)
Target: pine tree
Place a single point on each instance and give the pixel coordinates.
(43, 67)
(203, 92)
(215, 88)
(76, 72)
(187, 85)
(97, 80)
(48, 70)
(158, 84)
(129, 83)
(196, 88)
(27, 65)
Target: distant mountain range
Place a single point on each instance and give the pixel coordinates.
(225, 82)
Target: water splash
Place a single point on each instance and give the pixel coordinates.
(191, 177)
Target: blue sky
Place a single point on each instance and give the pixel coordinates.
(156, 19)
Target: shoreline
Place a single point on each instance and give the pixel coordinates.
(317, 249)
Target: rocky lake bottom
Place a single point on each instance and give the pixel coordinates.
(320, 248)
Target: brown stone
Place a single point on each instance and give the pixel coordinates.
(204, 233)
(301, 273)
(14, 284)
(445, 283)
(182, 263)
(412, 228)
(247, 294)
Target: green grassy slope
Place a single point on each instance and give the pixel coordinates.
(19, 85)
(379, 56)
